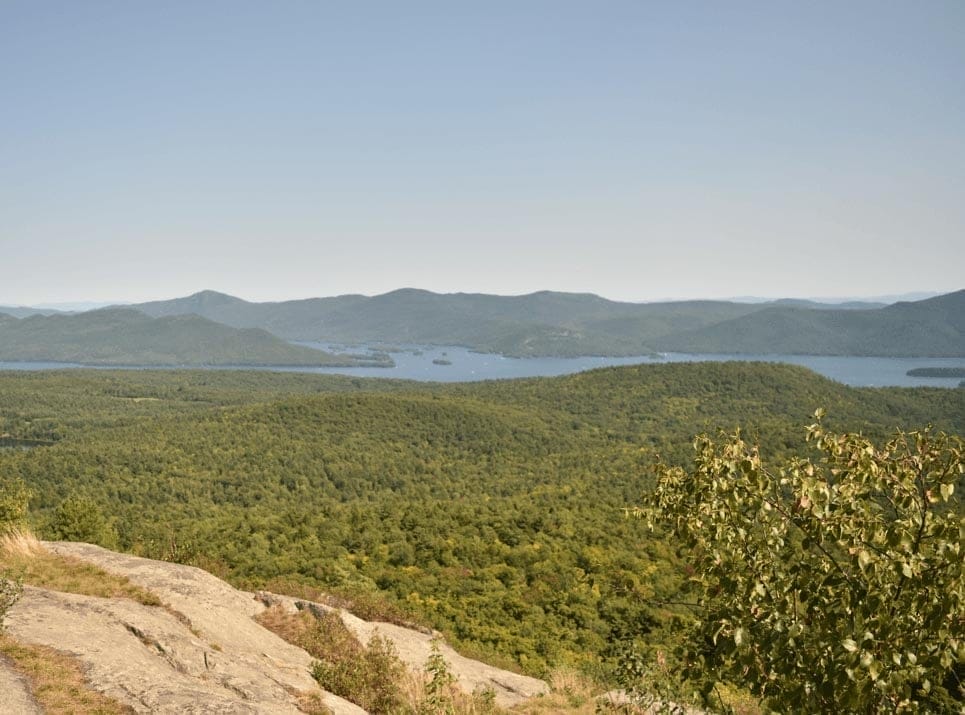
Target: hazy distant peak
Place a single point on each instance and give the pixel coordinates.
(213, 296)
(203, 302)
(562, 295)
(408, 292)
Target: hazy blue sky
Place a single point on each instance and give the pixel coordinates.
(638, 150)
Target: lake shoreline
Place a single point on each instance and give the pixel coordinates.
(453, 363)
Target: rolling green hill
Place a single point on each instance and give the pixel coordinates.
(569, 324)
(491, 511)
(934, 327)
(127, 337)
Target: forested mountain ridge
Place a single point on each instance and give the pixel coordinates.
(543, 323)
(933, 327)
(119, 336)
(491, 511)
(568, 324)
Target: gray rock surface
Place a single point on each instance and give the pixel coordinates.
(206, 654)
(15, 698)
(212, 659)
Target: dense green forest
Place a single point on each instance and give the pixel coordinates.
(495, 511)
(570, 324)
(119, 336)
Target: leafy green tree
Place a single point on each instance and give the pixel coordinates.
(832, 585)
(81, 519)
(14, 496)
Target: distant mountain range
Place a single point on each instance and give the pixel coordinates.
(217, 329)
(538, 324)
(117, 336)
(569, 324)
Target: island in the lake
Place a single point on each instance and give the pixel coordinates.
(936, 372)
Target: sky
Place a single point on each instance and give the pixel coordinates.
(637, 150)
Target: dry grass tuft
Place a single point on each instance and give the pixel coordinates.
(575, 693)
(56, 681)
(312, 704)
(23, 556)
(292, 627)
(416, 697)
(20, 543)
(571, 692)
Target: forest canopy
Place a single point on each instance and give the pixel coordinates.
(491, 511)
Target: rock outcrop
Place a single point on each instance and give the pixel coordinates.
(205, 653)
(414, 648)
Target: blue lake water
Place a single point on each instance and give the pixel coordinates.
(416, 363)
(468, 366)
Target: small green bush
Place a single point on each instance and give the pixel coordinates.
(368, 676)
(438, 696)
